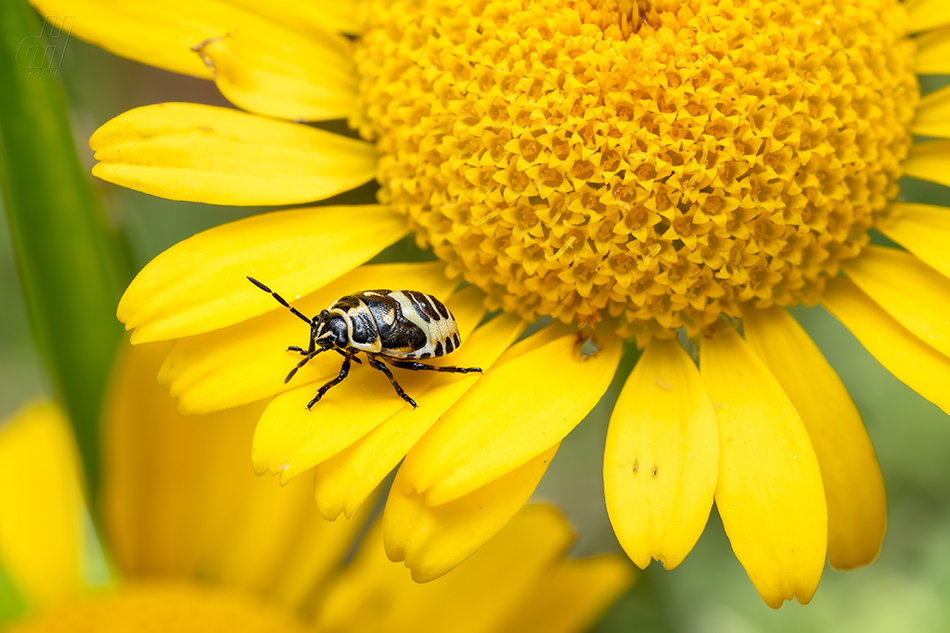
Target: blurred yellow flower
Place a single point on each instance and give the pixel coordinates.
(635, 167)
(201, 544)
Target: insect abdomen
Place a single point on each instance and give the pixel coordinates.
(432, 319)
(405, 324)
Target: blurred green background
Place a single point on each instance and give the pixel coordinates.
(906, 589)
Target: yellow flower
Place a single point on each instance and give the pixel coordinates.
(633, 168)
(201, 544)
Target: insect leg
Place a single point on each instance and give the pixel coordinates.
(309, 350)
(414, 366)
(353, 358)
(402, 394)
(344, 370)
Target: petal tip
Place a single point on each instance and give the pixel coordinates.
(258, 464)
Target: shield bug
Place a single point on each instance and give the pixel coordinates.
(398, 327)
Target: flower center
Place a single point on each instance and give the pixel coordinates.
(163, 606)
(658, 162)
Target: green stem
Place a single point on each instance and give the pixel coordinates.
(66, 254)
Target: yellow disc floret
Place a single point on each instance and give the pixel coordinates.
(659, 162)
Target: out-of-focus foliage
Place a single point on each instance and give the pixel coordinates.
(66, 255)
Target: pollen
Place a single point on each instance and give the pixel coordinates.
(657, 163)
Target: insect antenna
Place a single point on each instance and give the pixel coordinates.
(282, 302)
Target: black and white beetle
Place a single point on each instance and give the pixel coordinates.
(396, 326)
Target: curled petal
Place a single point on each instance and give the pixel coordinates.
(297, 78)
(434, 539)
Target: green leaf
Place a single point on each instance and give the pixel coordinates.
(66, 254)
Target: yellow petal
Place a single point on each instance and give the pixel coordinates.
(345, 480)
(291, 439)
(180, 499)
(512, 578)
(152, 33)
(573, 597)
(933, 52)
(434, 540)
(313, 561)
(537, 340)
(662, 457)
(927, 14)
(922, 229)
(249, 361)
(150, 485)
(339, 16)
(183, 605)
(769, 494)
(916, 295)
(933, 113)
(929, 160)
(854, 488)
(185, 151)
(517, 411)
(42, 513)
(371, 585)
(297, 78)
(342, 16)
(277, 540)
(913, 362)
(161, 32)
(200, 284)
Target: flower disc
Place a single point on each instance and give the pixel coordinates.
(659, 163)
